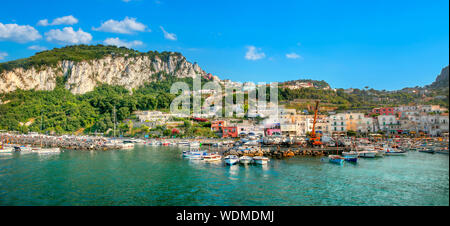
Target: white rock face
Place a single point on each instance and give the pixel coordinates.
(83, 76)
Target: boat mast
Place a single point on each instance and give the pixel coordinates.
(114, 132)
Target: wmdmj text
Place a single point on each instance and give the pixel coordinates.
(232, 215)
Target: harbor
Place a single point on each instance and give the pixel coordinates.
(160, 175)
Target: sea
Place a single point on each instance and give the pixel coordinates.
(160, 176)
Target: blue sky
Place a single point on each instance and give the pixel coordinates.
(383, 44)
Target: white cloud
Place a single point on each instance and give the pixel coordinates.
(292, 56)
(167, 35)
(66, 20)
(126, 26)
(254, 53)
(3, 55)
(18, 33)
(68, 36)
(119, 43)
(37, 48)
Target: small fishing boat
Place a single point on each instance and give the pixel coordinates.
(191, 153)
(212, 157)
(394, 151)
(351, 156)
(441, 150)
(427, 150)
(231, 159)
(260, 160)
(197, 155)
(245, 160)
(336, 159)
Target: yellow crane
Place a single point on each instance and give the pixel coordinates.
(315, 137)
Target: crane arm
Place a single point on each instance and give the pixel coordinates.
(313, 133)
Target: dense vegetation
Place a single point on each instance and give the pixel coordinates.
(61, 111)
(317, 84)
(77, 53)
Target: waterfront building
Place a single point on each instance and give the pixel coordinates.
(388, 123)
(434, 125)
(338, 123)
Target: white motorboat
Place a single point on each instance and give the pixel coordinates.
(394, 151)
(231, 159)
(261, 160)
(49, 151)
(194, 154)
(245, 160)
(197, 155)
(367, 154)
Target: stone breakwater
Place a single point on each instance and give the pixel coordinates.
(279, 153)
(63, 142)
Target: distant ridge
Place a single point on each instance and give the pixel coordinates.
(442, 79)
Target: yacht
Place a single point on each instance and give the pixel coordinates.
(231, 159)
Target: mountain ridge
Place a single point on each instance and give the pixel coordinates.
(84, 67)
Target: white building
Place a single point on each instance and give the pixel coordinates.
(338, 123)
(388, 123)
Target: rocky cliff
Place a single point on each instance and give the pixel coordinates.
(442, 80)
(82, 76)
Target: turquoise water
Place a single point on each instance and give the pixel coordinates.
(159, 176)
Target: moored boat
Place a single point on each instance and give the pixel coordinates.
(231, 159)
(394, 151)
(245, 160)
(261, 160)
(336, 159)
(351, 156)
(212, 157)
(427, 150)
(367, 154)
(192, 153)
